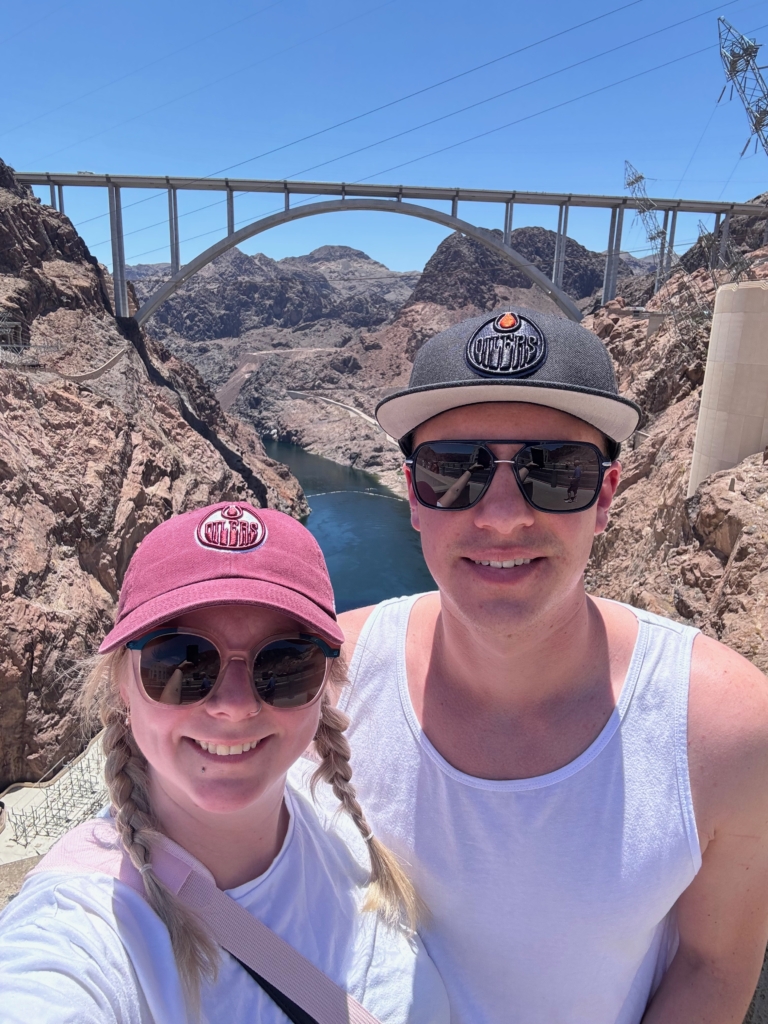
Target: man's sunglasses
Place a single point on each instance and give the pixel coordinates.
(553, 476)
(176, 666)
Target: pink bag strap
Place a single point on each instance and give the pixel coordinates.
(94, 846)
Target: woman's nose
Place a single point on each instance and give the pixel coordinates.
(234, 696)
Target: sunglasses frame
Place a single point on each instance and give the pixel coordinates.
(137, 645)
(602, 465)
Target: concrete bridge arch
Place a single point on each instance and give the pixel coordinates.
(408, 209)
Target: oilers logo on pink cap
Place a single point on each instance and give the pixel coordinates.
(232, 528)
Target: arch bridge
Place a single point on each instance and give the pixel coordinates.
(397, 199)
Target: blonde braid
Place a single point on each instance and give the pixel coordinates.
(197, 956)
(390, 892)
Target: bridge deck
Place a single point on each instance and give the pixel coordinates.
(340, 188)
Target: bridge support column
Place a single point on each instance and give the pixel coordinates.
(230, 211)
(509, 210)
(715, 234)
(662, 254)
(61, 198)
(173, 229)
(53, 196)
(560, 242)
(670, 245)
(118, 251)
(611, 255)
(455, 207)
(616, 252)
(724, 234)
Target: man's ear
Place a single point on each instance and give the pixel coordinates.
(606, 495)
(412, 499)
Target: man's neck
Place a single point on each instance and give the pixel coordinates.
(522, 701)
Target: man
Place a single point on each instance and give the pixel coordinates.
(580, 788)
(573, 486)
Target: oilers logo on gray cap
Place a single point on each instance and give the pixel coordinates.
(508, 345)
(518, 355)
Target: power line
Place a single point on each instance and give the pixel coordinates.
(428, 88)
(434, 86)
(217, 81)
(383, 106)
(460, 110)
(136, 71)
(696, 148)
(528, 117)
(516, 88)
(546, 110)
(33, 24)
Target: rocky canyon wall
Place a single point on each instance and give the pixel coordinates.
(701, 560)
(87, 468)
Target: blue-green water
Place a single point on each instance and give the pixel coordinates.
(364, 530)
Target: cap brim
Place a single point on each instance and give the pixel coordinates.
(208, 593)
(401, 413)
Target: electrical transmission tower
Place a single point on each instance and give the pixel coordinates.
(691, 308)
(739, 56)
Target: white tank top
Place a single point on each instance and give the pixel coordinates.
(550, 897)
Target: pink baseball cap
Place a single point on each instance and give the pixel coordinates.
(230, 553)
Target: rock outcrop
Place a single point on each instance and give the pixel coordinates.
(462, 273)
(87, 468)
(702, 560)
(305, 347)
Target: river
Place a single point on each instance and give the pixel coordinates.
(363, 529)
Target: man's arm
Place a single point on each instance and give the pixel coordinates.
(723, 915)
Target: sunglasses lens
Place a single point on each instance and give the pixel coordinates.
(451, 474)
(559, 478)
(289, 673)
(179, 668)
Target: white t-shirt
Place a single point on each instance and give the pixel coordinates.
(87, 949)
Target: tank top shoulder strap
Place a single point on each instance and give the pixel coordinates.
(380, 645)
(655, 719)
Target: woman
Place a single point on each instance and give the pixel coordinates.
(210, 686)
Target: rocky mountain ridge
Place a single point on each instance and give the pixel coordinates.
(103, 434)
(314, 377)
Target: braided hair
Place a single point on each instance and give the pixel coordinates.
(125, 772)
(390, 892)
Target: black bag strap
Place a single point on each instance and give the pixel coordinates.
(291, 1010)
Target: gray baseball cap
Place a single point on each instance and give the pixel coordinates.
(519, 355)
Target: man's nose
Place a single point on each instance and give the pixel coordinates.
(234, 696)
(503, 507)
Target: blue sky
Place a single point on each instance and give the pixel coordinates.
(190, 88)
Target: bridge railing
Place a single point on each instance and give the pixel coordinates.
(616, 205)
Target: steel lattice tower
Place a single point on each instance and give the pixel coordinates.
(739, 56)
(690, 308)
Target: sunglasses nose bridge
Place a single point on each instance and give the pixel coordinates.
(504, 506)
(235, 687)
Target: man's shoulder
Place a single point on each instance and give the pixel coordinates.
(729, 689)
(352, 623)
(727, 729)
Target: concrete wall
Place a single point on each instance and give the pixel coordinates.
(733, 419)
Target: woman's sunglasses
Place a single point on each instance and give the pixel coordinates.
(176, 666)
(554, 476)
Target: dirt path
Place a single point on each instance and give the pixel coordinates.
(11, 877)
(228, 392)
